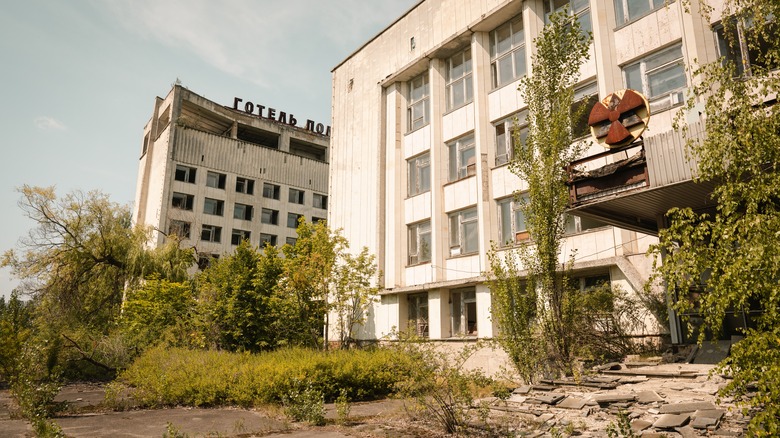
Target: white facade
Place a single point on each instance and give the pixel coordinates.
(420, 130)
(215, 174)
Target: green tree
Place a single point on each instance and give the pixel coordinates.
(15, 328)
(730, 259)
(354, 292)
(154, 308)
(535, 316)
(235, 295)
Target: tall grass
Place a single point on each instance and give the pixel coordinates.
(177, 376)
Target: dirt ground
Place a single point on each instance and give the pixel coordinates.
(669, 400)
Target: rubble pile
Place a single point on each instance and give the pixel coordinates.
(659, 400)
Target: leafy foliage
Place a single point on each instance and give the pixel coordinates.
(154, 308)
(15, 328)
(354, 292)
(729, 259)
(535, 316)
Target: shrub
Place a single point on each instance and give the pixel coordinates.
(305, 403)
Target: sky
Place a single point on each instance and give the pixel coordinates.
(78, 79)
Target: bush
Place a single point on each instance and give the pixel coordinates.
(177, 376)
(305, 403)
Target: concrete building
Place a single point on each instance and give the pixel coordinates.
(216, 174)
(423, 115)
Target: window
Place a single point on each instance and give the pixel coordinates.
(268, 216)
(316, 220)
(270, 191)
(417, 113)
(238, 235)
(508, 133)
(628, 10)
(295, 196)
(185, 174)
(213, 206)
(511, 225)
(462, 158)
(464, 311)
(182, 201)
(580, 9)
(205, 260)
(320, 201)
(660, 76)
(419, 243)
(418, 314)
(179, 228)
(211, 233)
(584, 99)
(588, 284)
(732, 42)
(464, 232)
(507, 52)
(576, 224)
(267, 239)
(216, 180)
(419, 174)
(245, 185)
(290, 241)
(242, 211)
(459, 88)
(292, 220)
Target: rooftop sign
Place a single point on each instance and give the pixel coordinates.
(269, 113)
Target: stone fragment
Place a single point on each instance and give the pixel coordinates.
(640, 425)
(687, 432)
(572, 403)
(669, 421)
(645, 397)
(546, 417)
(525, 389)
(548, 399)
(703, 422)
(679, 408)
(653, 411)
(715, 414)
(614, 398)
(647, 434)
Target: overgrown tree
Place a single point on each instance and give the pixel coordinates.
(15, 328)
(155, 308)
(354, 292)
(730, 259)
(535, 316)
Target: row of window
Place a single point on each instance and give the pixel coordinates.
(215, 207)
(464, 230)
(247, 186)
(213, 233)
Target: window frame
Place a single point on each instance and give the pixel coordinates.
(188, 174)
(269, 216)
(322, 204)
(267, 238)
(588, 95)
(297, 216)
(176, 225)
(236, 236)
(215, 233)
(457, 153)
(461, 300)
(506, 141)
(245, 185)
(739, 52)
(667, 99)
(463, 80)
(459, 222)
(248, 211)
(216, 180)
(417, 167)
(274, 189)
(512, 52)
(623, 15)
(423, 101)
(219, 206)
(415, 235)
(418, 314)
(296, 196)
(517, 232)
(189, 201)
(573, 11)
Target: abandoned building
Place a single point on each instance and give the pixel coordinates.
(423, 119)
(215, 175)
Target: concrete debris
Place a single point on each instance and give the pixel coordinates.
(670, 421)
(679, 408)
(646, 397)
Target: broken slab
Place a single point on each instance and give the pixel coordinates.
(640, 425)
(679, 408)
(703, 422)
(525, 389)
(716, 414)
(646, 397)
(548, 399)
(572, 403)
(670, 421)
(614, 398)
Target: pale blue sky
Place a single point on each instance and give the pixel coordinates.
(78, 78)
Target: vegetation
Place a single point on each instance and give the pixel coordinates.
(728, 260)
(536, 315)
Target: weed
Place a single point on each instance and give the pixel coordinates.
(621, 429)
(305, 403)
(172, 431)
(343, 407)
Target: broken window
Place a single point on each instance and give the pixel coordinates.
(292, 220)
(180, 229)
(182, 201)
(584, 99)
(320, 201)
(463, 161)
(245, 185)
(242, 211)
(418, 314)
(211, 233)
(511, 221)
(269, 216)
(419, 174)
(213, 206)
(464, 232)
(508, 133)
(238, 235)
(507, 52)
(419, 243)
(205, 260)
(185, 174)
(419, 92)
(216, 180)
(459, 88)
(271, 191)
(464, 312)
(267, 239)
(740, 48)
(295, 196)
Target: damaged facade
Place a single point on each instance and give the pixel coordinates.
(214, 175)
(423, 120)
